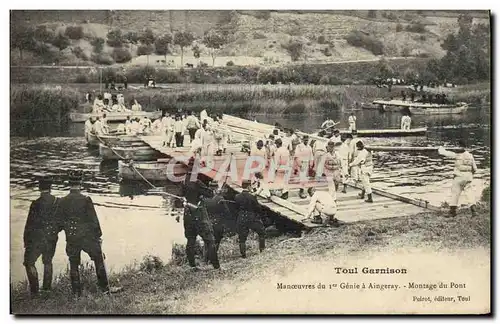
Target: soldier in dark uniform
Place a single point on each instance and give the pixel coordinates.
(197, 222)
(249, 218)
(218, 212)
(40, 236)
(83, 233)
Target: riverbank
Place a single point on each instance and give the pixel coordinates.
(170, 289)
(231, 99)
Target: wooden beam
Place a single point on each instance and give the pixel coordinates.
(416, 202)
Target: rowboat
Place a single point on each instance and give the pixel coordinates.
(114, 116)
(151, 170)
(396, 132)
(112, 140)
(138, 153)
(419, 108)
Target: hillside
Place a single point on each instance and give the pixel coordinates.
(257, 37)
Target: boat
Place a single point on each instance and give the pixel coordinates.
(151, 170)
(391, 132)
(113, 140)
(420, 108)
(138, 153)
(78, 117)
(460, 109)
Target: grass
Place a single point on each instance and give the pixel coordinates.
(159, 289)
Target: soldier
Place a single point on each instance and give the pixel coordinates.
(463, 173)
(249, 212)
(324, 204)
(40, 236)
(365, 163)
(196, 221)
(77, 214)
(217, 212)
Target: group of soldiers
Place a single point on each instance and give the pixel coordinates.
(76, 215)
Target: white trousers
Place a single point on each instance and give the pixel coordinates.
(365, 182)
(458, 186)
(344, 163)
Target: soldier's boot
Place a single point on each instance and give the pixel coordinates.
(369, 199)
(74, 275)
(262, 244)
(47, 277)
(243, 250)
(473, 211)
(32, 275)
(336, 186)
(284, 195)
(317, 220)
(212, 255)
(302, 194)
(102, 276)
(453, 211)
(224, 151)
(362, 194)
(190, 252)
(345, 189)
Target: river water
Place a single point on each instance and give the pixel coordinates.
(136, 223)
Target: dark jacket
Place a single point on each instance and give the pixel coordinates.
(42, 222)
(247, 202)
(78, 216)
(194, 191)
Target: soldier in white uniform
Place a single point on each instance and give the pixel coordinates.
(465, 167)
(365, 163)
(352, 122)
(344, 152)
(324, 204)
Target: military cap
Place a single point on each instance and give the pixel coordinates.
(279, 141)
(305, 137)
(75, 177)
(246, 183)
(330, 143)
(44, 181)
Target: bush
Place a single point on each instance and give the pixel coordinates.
(230, 63)
(486, 194)
(102, 58)
(392, 16)
(79, 53)
(322, 39)
(165, 76)
(81, 79)
(326, 51)
(151, 263)
(258, 35)
(399, 28)
(145, 50)
(74, 32)
(359, 39)
(121, 55)
(405, 52)
(295, 48)
(417, 27)
(372, 14)
(262, 14)
(423, 38)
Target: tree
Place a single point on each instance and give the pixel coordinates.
(295, 48)
(214, 41)
(384, 69)
(22, 38)
(121, 55)
(74, 32)
(183, 39)
(98, 44)
(162, 45)
(147, 37)
(115, 38)
(196, 51)
(372, 14)
(61, 42)
(42, 34)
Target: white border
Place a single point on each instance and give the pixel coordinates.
(158, 5)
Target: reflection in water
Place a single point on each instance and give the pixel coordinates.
(136, 223)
